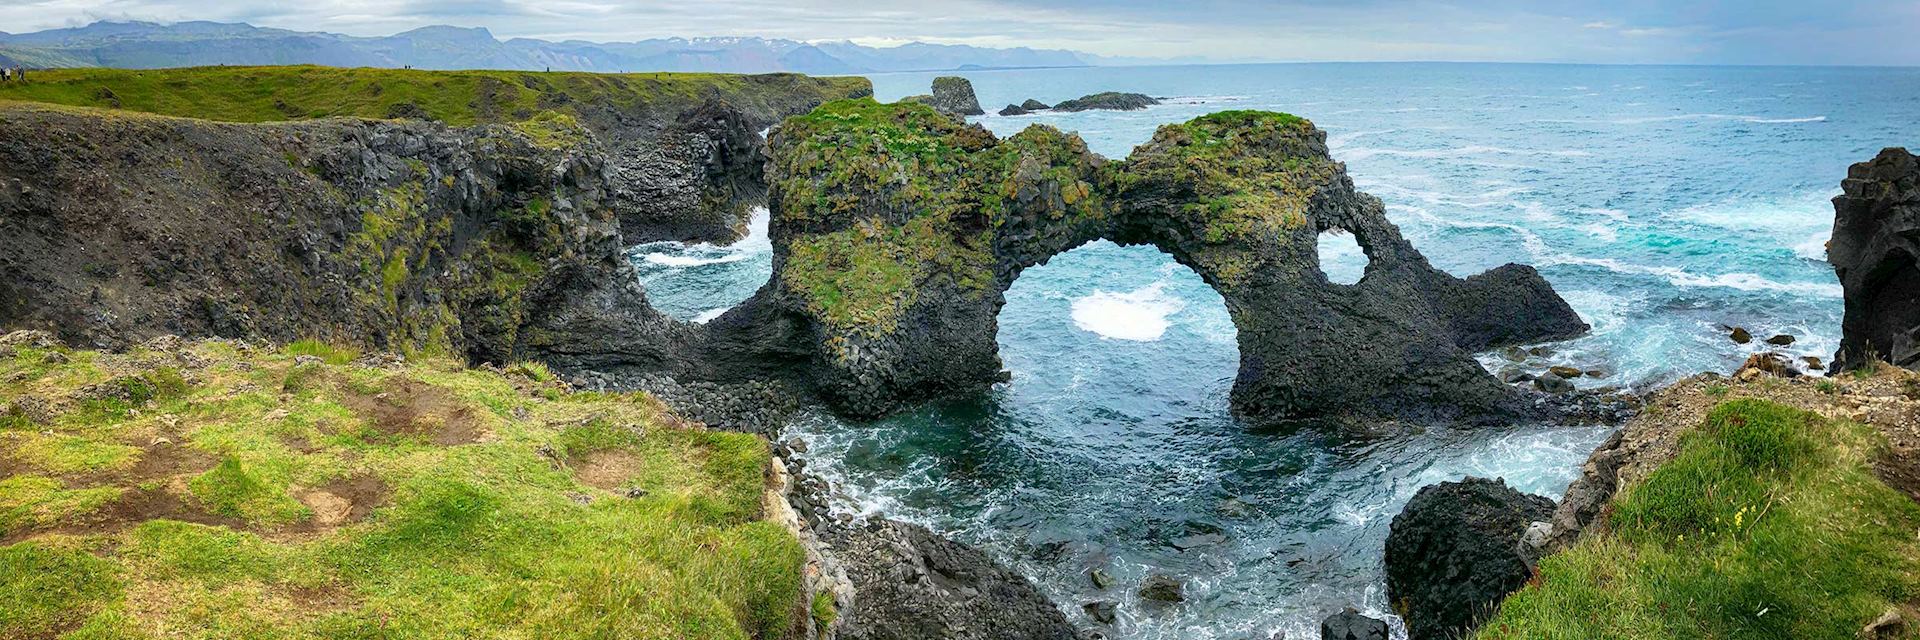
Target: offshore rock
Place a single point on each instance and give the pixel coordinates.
(897, 230)
(1034, 105)
(911, 584)
(1112, 100)
(1455, 552)
(954, 95)
(1014, 110)
(1876, 252)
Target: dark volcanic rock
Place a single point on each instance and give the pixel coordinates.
(954, 95)
(954, 233)
(1034, 105)
(1740, 335)
(1014, 110)
(910, 584)
(1454, 553)
(1159, 588)
(1780, 340)
(695, 181)
(1108, 100)
(1350, 625)
(1876, 252)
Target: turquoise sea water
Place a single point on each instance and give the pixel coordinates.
(1662, 202)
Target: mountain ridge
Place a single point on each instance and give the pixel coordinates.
(143, 45)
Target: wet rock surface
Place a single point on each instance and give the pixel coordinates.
(1875, 250)
(1351, 625)
(1110, 100)
(911, 584)
(1455, 552)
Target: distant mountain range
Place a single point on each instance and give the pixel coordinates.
(140, 45)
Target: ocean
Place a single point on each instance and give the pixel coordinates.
(1664, 203)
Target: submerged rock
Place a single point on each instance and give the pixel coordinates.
(1351, 625)
(1876, 253)
(1454, 553)
(1101, 611)
(1112, 100)
(1159, 588)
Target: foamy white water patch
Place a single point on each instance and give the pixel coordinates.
(709, 315)
(1139, 315)
(1361, 153)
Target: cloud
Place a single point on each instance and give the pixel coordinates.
(1282, 30)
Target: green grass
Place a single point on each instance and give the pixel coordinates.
(1768, 524)
(547, 102)
(487, 537)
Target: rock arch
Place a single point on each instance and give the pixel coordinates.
(896, 231)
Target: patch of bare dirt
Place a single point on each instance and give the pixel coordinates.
(607, 469)
(411, 408)
(343, 501)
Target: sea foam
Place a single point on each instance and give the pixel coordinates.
(1139, 315)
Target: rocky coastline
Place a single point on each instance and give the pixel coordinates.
(897, 228)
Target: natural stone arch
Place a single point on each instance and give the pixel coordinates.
(897, 230)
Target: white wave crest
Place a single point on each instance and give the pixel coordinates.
(1360, 153)
(1720, 116)
(1139, 315)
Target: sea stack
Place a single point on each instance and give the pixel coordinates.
(1875, 246)
(954, 95)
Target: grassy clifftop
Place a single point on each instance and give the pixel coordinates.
(217, 489)
(1767, 520)
(263, 94)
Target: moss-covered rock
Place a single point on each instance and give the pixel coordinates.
(897, 229)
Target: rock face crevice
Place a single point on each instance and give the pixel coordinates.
(1875, 250)
(897, 231)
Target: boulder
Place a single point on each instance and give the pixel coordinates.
(1875, 250)
(1455, 552)
(1765, 363)
(954, 95)
(910, 584)
(1565, 371)
(1780, 340)
(1034, 105)
(1740, 336)
(1112, 100)
(1552, 384)
(1351, 625)
(1014, 110)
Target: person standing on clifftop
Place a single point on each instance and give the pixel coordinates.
(6, 75)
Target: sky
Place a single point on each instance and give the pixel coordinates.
(1880, 32)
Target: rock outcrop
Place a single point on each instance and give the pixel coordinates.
(954, 95)
(1014, 110)
(910, 584)
(1456, 551)
(1031, 104)
(482, 241)
(1111, 100)
(1876, 252)
(896, 231)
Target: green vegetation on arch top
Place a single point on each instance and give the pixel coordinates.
(1769, 523)
(265, 94)
(217, 489)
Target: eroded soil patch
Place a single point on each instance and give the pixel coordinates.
(410, 408)
(343, 501)
(608, 469)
